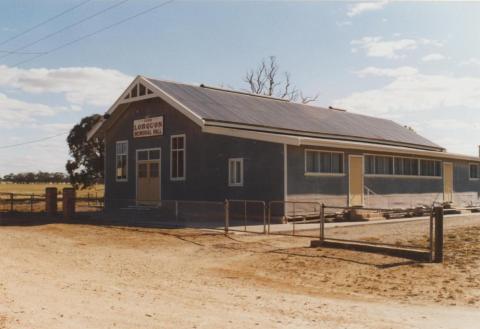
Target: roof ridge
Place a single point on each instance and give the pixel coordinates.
(234, 91)
(243, 93)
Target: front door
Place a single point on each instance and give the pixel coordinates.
(148, 176)
(447, 182)
(355, 180)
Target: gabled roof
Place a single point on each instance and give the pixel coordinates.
(209, 106)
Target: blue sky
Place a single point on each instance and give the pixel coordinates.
(415, 62)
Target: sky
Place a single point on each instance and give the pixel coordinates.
(417, 63)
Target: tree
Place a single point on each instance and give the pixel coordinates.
(86, 168)
(267, 80)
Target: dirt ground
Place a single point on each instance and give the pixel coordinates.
(79, 276)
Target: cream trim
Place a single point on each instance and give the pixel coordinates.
(235, 160)
(321, 142)
(254, 135)
(122, 180)
(148, 161)
(184, 149)
(350, 156)
(470, 172)
(291, 132)
(157, 92)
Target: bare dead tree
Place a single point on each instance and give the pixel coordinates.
(267, 80)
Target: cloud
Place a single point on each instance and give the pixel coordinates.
(14, 112)
(79, 85)
(377, 47)
(443, 108)
(362, 7)
(413, 92)
(344, 23)
(433, 57)
(471, 61)
(387, 72)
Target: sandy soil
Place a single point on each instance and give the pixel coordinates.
(78, 276)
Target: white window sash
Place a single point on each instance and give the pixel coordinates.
(174, 152)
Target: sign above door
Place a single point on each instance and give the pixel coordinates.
(148, 127)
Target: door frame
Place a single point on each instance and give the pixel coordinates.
(350, 156)
(159, 170)
(443, 174)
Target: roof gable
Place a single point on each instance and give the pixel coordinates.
(208, 106)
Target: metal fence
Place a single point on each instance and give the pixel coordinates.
(394, 228)
(295, 218)
(21, 202)
(246, 216)
(36, 203)
(165, 213)
(385, 227)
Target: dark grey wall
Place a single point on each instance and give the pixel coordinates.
(299, 183)
(461, 181)
(206, 159)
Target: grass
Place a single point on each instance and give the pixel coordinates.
(39, 189)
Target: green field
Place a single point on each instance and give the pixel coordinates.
(39, 189)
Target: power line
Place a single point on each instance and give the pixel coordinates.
(32, 141)
(48, 36)
(44, 22)
(22, 52)
(95, 32)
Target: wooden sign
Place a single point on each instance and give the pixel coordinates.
(148, 127)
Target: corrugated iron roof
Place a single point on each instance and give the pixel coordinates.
(217, 105)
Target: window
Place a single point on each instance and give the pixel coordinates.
(474, 171)
(319, 162)
(177, 157)
(406, 166)
(121, 161)
(144, 155)
(235, 172)
(430, 168)
(378, 165)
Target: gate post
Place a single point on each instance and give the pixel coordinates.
(438, 235)
(322, 223)
(51, 201)
(68, 203)
(227, 213)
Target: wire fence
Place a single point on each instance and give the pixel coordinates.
(36, 203)
(395, 228)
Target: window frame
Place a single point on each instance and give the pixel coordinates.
(235, 160)
(470, 171)
(184, 149)
(394, 175)
(426, 176)
(121, 180)
(375, 165)
(314, 173)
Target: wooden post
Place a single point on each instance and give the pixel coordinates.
(51, 201)
(68, 203)
(11, 202)
(438, 235)
(32, 197)
(227, 213)
(322, 223)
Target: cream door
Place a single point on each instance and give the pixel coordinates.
(447, 182)
(355, 180)
(148, 176)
